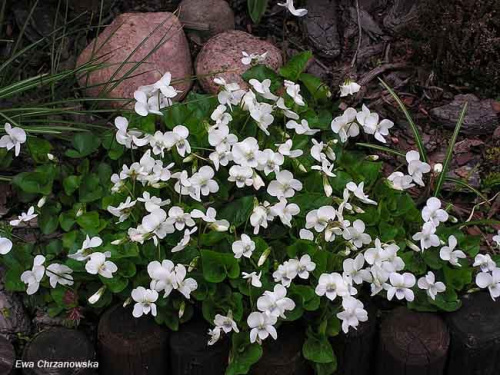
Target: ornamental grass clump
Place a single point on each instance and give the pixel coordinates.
(252, 208)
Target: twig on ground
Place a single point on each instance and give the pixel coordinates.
(360, 35)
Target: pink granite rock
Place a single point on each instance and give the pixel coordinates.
(223, 53)
(216, 15)
(119, 40)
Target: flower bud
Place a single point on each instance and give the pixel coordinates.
(188, 159)
(412, 246)
(51, 157)
(327, 187)
(264, 257)
(372, 157)
(220, 225)
(453, 219)
(182, 309)
(41, 202)
(438, 168)
(193, 264)
(127, 302)
(300, 166)
(119, 241)
(258, 182)
(358, 210)
(97, 295)
(79, 212)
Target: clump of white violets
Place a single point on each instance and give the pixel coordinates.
(175, 187)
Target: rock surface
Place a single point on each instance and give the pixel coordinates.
(481, 117)
(166, 45)
(216, 15)
(320, 26)
(223, 54)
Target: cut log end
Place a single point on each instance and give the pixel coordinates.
(59, 345)
(191, 354)
(478, 320)
(7, 356)
(129, 345)
(284, 356)
(355, 350)
(475, 336)
(412, 343)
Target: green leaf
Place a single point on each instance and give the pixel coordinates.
(238, 211)
(295, 66)
(84, 144)
(39, 148)
(168, 317)
(69, 240)
(309, 300)
(216, 266)
(6, 158)
(470, 244)
(34, 182)
(301, 247)
(432, 259)
(333, 326)
(318, 349)
(127, 250)
(89, 221)
(116, 284)
(58, 295)
(388, 232)
(71, 184)
(325, 368)
(318, 89)
(115, 150)
(243, 354)
(126, 268)
(212, 238)
(66, 220)
(413, 262)
(90, 189)
(48, 219)
(262, 72)
(457, 278)
(13, 281)
(54, 247)
(256, 9)
(448, 301)
(104, 171)
(144, 124)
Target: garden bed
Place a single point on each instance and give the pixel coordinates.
(283, 192)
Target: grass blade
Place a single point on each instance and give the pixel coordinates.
(382, 148)
(464, 184)
(449, 151)
(485, 222)
(416, 132)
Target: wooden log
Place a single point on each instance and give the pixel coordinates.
(412, 343)
(190, 353)
(13, 317)
(7, 356)
(56, 347)
(355, 350)
(475, 336)
(284, 356)
(129, 345)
